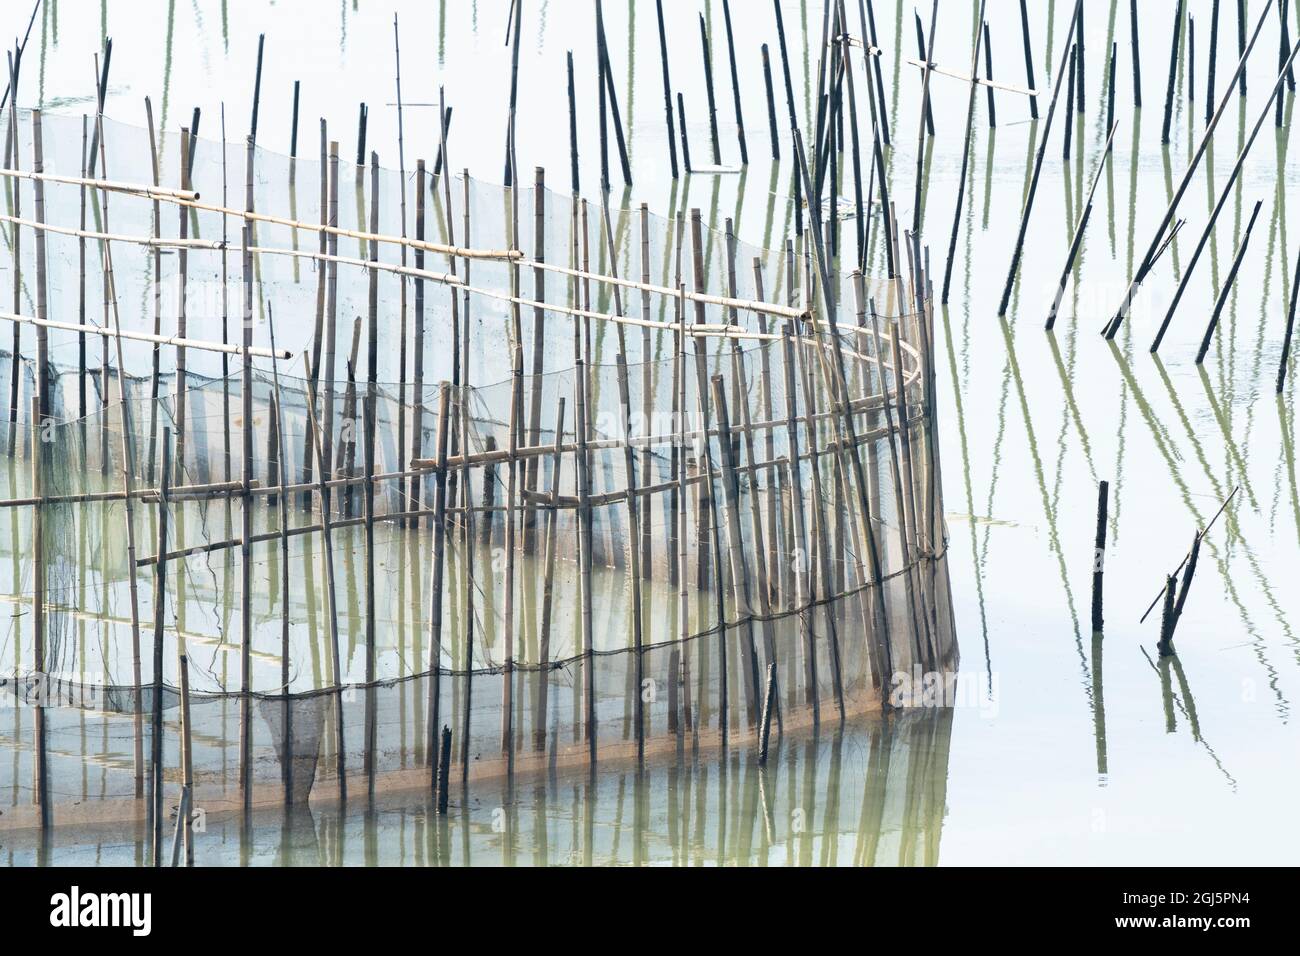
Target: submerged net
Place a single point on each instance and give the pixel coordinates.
(522, 612)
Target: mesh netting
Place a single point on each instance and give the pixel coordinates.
(576, 574)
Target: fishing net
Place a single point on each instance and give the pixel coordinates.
(580, 572)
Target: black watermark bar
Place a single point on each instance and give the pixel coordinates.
(339, 906)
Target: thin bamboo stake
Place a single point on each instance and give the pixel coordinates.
(668, 95)
(1077, 241)
(634, 553)
(1223, 200)
(327, 569)
(1156, 246)
(185, 818)
(42, 286)
(246, 509)
(735, 85)
(437, 574)
(965, 153)
(708, 88)
(741, 590)
(1227, 285)
(40, 756)
(156, 692)
(1029, 60)
(1099, 555)
(1135, 48)
(1173, 68)
(1038, 168)
(548, 588)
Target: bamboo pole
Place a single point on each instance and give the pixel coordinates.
(965, 153)
(1077, 241)
(634, 553)
(1156, 246)
(1029, 60)
(708, 88)
(246, 509)
(182, 316)
(282, 500)
(40, 756)
(802, 597)
(668, 95)
(15, 354)
(1038, 168)
(185, 818)
(735, 85)
(1224, 193)
(156, 233)
(1099, 555)
(740, 584)
(327, 568)
(156, 693)
(1228, 283)
(548, 578)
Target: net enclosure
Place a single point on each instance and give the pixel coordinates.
(324, 478)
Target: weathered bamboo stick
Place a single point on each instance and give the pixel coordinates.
(327, 568)
(735, 85)
(1136, 51)
(708, 88)
(1099, 555)
(1069, 103)
(1214, 59)
(1038, 168)
(40, 755)
(182, 316)
(634, 552)
(246, 509)
(15, 354)
(1290, 326)
(444, 770)
(42, 284)
(1077, 241)
(771, 110)
(668, 94)
(1224, 193)
(742, 590)
(603, 51)
(965, 154)
(803, 597)
(988, 74)
(185, 818)
(282, 500)
(512, 493)
(1156, 246)
(156, 233)
(1227, 285)
(437, 575)
(548, 586)
(156, 693)
(1173, 69)
(1029, 60)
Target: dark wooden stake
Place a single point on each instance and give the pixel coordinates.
(1099, 554)
(1227, 286)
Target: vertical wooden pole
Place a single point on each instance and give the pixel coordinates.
(40, 762)
(327, 568)
(634, 550)
(436, 581)
(548, 578)
(1099, 554)
(159, 616)
(246, 509)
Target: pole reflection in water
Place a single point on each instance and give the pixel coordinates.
(871, 794)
